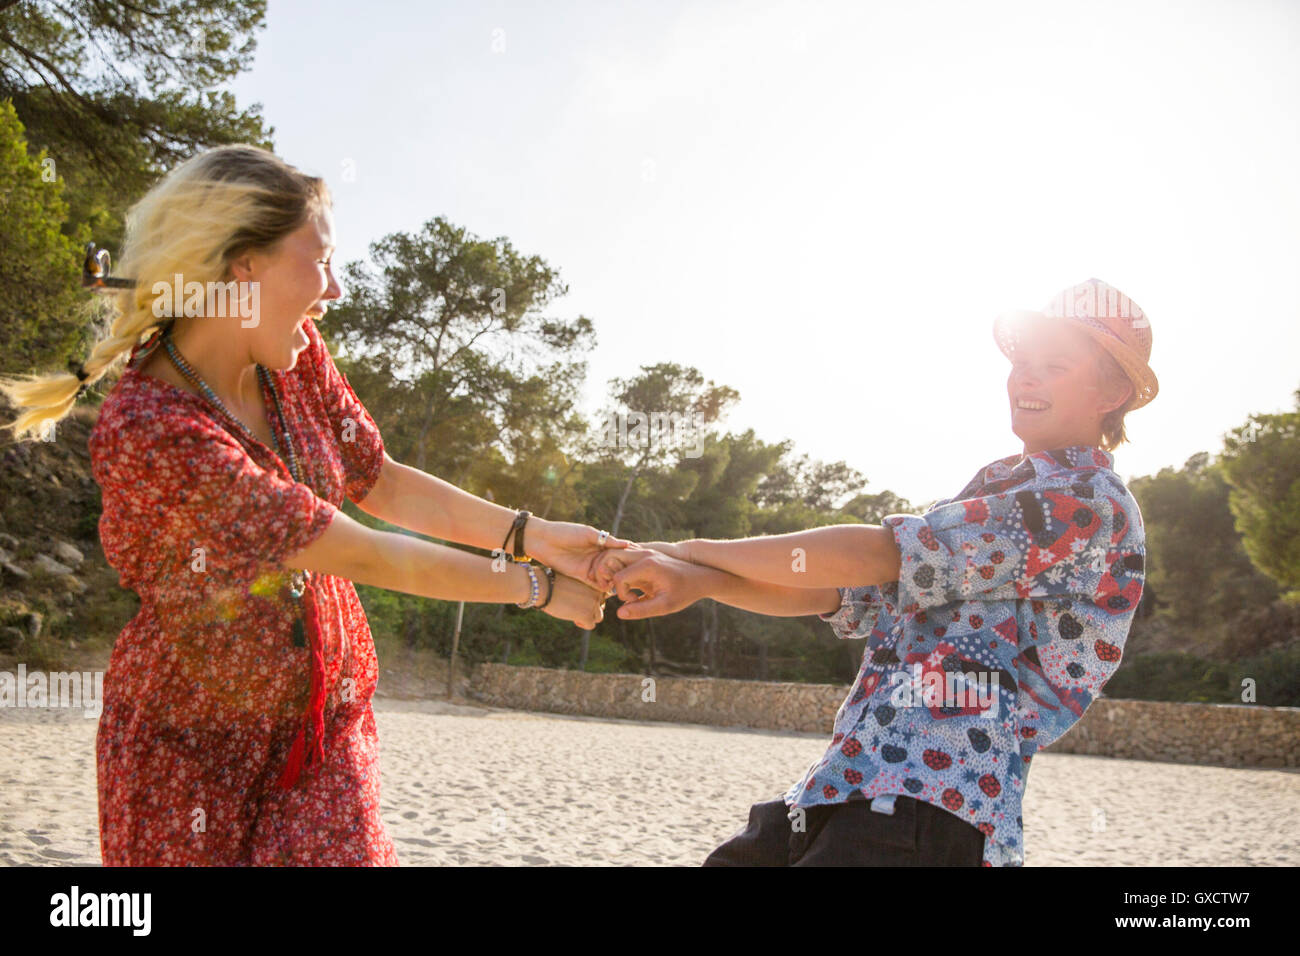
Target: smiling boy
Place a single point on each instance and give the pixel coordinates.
(1026, 581)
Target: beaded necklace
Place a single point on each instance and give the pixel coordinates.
(307, 624)
(298, 578)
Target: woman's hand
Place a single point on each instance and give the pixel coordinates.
(569, 548)
(575, 601)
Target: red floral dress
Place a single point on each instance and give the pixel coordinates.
(205, 690)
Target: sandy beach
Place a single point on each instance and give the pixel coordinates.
(466, 785)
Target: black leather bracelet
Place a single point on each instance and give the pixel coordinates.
(550, 586)
(516, 529)
(521, 520)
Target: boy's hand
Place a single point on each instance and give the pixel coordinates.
(611, 562)
(666, 584)
(614, 560)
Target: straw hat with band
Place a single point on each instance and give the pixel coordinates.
(1114, 321)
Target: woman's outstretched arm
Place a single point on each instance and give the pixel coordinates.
(398, 562)
(420, 502)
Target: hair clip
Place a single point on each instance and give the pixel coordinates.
(94, 272)
(79, 369)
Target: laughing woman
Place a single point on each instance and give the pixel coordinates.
(237, 726)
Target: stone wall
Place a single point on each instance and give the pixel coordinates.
(1229, 735)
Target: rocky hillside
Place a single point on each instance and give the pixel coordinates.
(59, 599)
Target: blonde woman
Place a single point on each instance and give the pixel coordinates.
(237, 725)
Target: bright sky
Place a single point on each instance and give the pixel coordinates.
(824, 205)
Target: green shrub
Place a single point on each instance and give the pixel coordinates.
(44, 315)
(1276, 673)
(1173, 676)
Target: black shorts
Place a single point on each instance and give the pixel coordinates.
(852, 834)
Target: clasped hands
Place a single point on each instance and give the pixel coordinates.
(650, 579)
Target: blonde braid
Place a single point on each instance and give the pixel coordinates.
(48, 398)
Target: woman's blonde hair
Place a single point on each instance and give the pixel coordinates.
(210, 209)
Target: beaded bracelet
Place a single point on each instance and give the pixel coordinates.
(535, 588)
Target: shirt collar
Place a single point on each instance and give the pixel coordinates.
(1019, 468)
(1071, 456)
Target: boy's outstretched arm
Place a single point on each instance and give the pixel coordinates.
(845, 555)
(668, 584)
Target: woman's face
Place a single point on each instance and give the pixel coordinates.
(1055, 367)
(295, 279)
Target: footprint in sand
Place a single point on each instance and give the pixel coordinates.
(58, 855)
(417, 841)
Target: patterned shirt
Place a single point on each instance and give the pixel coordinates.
(1010, 613)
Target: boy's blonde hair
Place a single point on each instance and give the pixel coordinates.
(1111, 377)
(213, 207)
